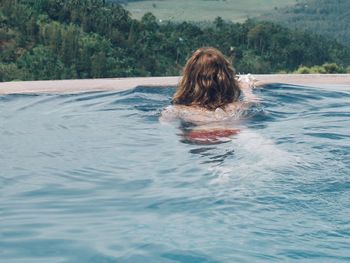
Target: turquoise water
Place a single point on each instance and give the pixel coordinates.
(95, 177)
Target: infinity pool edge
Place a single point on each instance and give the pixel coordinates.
(121, 84)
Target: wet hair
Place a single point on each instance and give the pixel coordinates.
(208, 81)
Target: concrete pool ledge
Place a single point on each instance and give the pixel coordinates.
(120, 84)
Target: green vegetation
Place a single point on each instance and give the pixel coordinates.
(328, 18)
(65, 39)
(203, 10)
(327, 68)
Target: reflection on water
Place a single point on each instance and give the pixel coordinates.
(95, 177)
(212, 155)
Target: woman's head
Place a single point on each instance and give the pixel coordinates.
(208, 81)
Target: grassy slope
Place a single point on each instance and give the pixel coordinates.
(324, 17)
(204, 10)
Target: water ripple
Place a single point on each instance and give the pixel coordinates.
(94, 177)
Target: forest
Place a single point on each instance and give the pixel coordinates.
(68, 39)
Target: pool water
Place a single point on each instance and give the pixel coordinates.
(95, 177)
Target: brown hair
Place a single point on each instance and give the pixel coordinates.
(208, 81)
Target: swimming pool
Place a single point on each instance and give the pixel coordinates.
(94, 177)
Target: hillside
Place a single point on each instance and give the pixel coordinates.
(203, 10)
(328, 18)
(68, 39)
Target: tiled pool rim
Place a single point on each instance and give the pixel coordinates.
(120, 84)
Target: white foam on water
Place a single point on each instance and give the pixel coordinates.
(255, 155)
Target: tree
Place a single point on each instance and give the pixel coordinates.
(41, 63)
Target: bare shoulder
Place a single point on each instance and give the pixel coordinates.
(168, 114)
(173, 112)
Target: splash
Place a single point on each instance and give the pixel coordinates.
(254, 155)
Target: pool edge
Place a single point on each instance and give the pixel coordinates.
(121, 84)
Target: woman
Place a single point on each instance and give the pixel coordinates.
(209, 93)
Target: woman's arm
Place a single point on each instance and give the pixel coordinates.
(247, 83)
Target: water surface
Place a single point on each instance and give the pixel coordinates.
(95, 177)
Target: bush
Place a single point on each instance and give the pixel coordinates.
(332, 68)
(303, 70)
(10, 72)
(327, 68)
